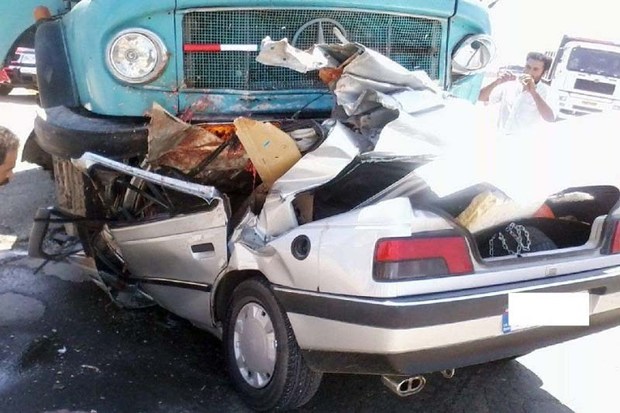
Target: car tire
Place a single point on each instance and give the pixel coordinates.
(263, 359)
(5, 90)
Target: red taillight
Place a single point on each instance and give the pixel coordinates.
(4, 77)
(615, 240)
(402, 258)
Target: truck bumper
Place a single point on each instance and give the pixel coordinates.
(412, 335)
(68, 133)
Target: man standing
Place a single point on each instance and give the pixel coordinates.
(524, 100)
(9, 144)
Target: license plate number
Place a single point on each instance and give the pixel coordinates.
(527, 310)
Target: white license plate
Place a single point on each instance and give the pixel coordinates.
(28, 70)
(526, 310)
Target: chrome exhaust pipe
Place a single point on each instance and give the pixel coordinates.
(448, 373)
(404, 386)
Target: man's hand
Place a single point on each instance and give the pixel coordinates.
(528, 83)
(543, 108)
(504, 77)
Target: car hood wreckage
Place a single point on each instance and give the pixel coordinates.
(384, 240)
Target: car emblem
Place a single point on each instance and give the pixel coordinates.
(320, 23)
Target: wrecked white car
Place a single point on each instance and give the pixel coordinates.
(397, 238)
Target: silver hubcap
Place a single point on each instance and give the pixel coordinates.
(255, 345)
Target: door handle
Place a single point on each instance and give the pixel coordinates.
(203, 250)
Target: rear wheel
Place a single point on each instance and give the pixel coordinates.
(5, 90)
(262, 355)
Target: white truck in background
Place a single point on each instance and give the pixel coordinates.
(586, 74)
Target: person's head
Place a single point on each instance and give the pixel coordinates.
(9, 144)
(536, 64)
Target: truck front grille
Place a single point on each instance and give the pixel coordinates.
(596, 87)
(414, 42)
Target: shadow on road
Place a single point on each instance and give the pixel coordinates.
(505, 386)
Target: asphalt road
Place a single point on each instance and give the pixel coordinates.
(65, 347)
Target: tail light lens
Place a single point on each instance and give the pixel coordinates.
(614, 248)
(398, 259)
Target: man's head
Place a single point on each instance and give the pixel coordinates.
(9, 144)
(536, 64)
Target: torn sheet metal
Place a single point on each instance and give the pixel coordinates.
(400, 111)
(455, 126)
(340, 147)
(374, 66)
(372, 91)
(88, 160)
(281, 53)
(358, 60)
(338, 150)
(165, 132)
(373, 71)
(177, 144)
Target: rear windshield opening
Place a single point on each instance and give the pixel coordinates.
(499, 227)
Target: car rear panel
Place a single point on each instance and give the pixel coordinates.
(359, 231)
(459, 328)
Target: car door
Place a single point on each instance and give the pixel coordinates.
(177, 259)
(175, 254)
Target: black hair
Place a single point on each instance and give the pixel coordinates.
(541, 58)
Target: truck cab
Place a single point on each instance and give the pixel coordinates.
(586, 73)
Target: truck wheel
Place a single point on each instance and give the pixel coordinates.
(5, 90)
(262, 355)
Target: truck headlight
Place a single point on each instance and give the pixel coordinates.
(136, 56)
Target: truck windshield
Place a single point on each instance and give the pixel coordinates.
(597, 62)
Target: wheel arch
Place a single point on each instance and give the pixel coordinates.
(225, 287)
(24, 39)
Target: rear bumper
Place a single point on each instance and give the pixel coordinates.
(66, 133)
(406, 336)
(457, 355)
